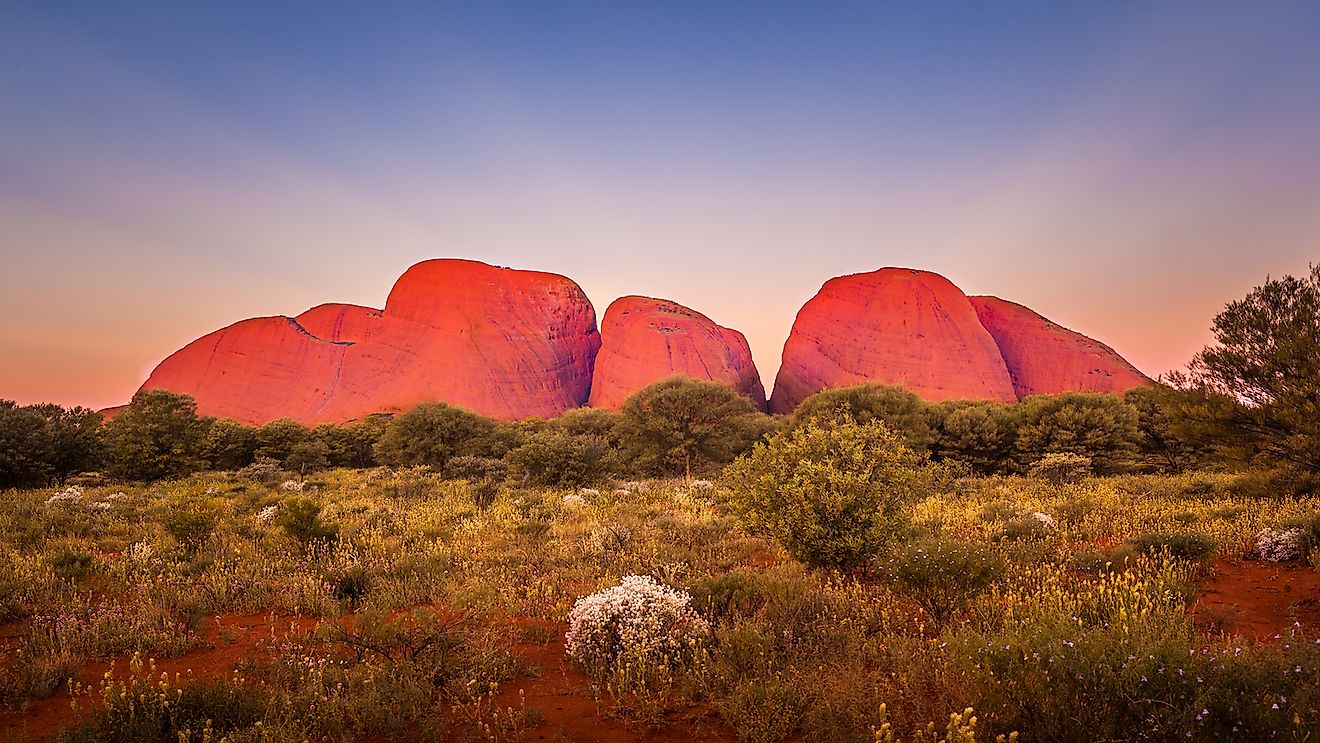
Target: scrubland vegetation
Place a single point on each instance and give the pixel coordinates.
(873, 568)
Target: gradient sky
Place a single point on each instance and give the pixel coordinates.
(1124, 168)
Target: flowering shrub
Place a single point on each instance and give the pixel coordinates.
(1278, 545)
(638, 618)
(1059, 468)
(69, 496)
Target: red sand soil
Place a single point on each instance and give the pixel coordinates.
(1260, 601)
(560, 693)
(228, 639)
(563, 696)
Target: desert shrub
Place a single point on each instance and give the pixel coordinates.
(431, 434)
(482, 474)
(913, 419)
(979, 434)
(1027, 526)
(833, 492)
(1183, 545)
(157, 436)
(556, 458)
(943, 577)
(766, 710)
(1274, 483)
(1100, 427)
(70, 563)
(264, 470)
(1061, 468)
(301, 519)
(148, 707)
(1149, 680)
(680, 425)
(639, 618)
(190, 525)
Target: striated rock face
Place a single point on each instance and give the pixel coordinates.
(894, 326)
(645, 340)
(501, 342)
(1045, 358)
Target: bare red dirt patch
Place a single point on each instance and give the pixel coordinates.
(1260, 601)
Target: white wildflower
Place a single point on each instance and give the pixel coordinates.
(702, 484)
(292, 486)
(640, 618)
(587, 492)
(1045, 519)
(117, 495)
(1278, 545)
(70, 495)
(573, 500)
(267, 514)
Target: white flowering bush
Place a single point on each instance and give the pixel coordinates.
(637, 619)
(69, 496)
(291, 486)
(267, 514)
(573, 500)
(1278, 545)
(1044, 519)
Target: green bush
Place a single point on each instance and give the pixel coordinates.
(833, 492)
(190, 526)
(301, 519)
(943, 577)
(913, 419)
(556, 458)
(681, 425)
(157, 436)
(1100, 427)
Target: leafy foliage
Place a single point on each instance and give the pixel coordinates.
(1259, 385)
(679, 424)
(157, 436)
(901, 410)
(832, 491)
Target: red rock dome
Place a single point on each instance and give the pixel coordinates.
(894, 326)
(1044, 358)
(501, 342)
(644, 340)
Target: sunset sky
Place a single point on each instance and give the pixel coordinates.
(169, 168)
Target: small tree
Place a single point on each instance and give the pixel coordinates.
(44, 443)
(833, 492)
(433, 433)
(679, 423)
(555, 458)
(157, 436)
(1260, 382)
(278, 439)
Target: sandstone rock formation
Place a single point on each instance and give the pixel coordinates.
(895, 326)
(644, 340)
(501, 342)
(1046, 358)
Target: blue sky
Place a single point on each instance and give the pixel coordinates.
(168, 168)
